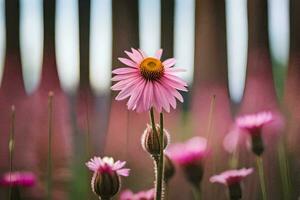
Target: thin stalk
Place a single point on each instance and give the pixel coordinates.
(284, 171)
(160, 170)
(11, 145)
(260, 166)
(210, 116)
(196, 193)
(88, 134)
(49, 167)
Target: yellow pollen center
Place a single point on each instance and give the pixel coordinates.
(151, 69)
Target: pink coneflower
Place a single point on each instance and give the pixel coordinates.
(232, 179)
(189, 156)
(23, 179)
(142, 195)
(148, 82)
(106, 179)
(253, 124)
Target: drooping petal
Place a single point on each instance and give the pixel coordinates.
(148, 93)
(173, 84)
(176, 79)
(128, 89)
(135, 96)
(161, 97)
(170, 97)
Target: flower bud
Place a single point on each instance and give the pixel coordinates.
(194, 173)
(106, 185)
(257, 144)
(235, 191)
(169, 168)
(150, 140)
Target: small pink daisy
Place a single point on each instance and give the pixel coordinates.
(231, 176)
(254, 122)
(24, 179)
(107, 165)
(142, 195)
(148, 82)
(193, 150)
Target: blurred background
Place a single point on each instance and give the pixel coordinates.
(247, 53)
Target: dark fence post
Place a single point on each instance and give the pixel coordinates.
(210, 78)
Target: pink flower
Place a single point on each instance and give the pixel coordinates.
(232, 139)
(107, 165)
(148, 82)
(106, 180)
(25, 179)
(193, 150)
(231, 176)
(142, 195)
(254, 122)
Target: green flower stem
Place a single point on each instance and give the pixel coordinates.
(284, 171)
(160, 161)
(16, 193)
(11, 144)
(260, 166)
(160, 172)
(49, 167)
(196, 193)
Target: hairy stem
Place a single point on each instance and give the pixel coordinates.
(160, 171)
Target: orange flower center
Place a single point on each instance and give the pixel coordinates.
(151, 69)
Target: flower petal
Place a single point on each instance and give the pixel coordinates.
(124, 70)
(128, 62)
(169, 62)
(162, 98)
(137, 55)
(158, 54)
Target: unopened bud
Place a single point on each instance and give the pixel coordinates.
(150, 140)
(194, 173)
(106, 185)
(257, 144)
(235, 191)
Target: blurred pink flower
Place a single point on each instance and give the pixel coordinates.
(148, 82)
(142, 195)
(253, 122)
(231, 176)
(231, 140)
(25, 179)
(107, 165)
(193, 150)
